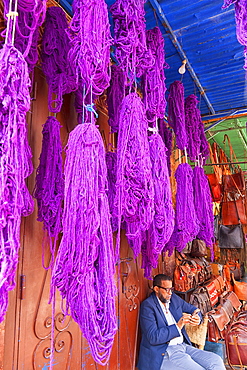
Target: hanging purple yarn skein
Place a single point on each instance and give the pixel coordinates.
(115, 95)
(111, 164)
(84, 268)
(162, 225)
(31, 15)
(204, 208)
(186, 223)
(15, 164)
(153, 79)
(49, 187)
(176, 115)
(134, 200)
(166, 134)
(90, 39)
(54, 55)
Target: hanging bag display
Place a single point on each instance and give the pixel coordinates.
(231, 236)
(236, 344)
(198, 248)
(240, 289)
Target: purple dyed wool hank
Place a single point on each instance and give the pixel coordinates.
(49, 187)
(111, 164)
(134, 188)
(166, 134)
(31, 15)
(176, 114)
(91, 39)
(15, 164)
(186, 223)
(54, 55)
(130, 37)
(84, 268)
(153, 79)
(197, 142)
(115, 95)
(162, 226)
(203, 208)
(241, 22)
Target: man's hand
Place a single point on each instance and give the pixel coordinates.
(185, 319)
(194, 318)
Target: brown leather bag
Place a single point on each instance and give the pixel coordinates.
(212, 292)
(240, 289)
(236, 344)
(198, 248)
(219, 284)
(233, 212)
(233, 298)
(184, 277)
(217, 322)
(199, 298)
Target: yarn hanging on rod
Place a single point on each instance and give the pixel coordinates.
(153, 79)
(15, 163)
(111, 164)
(130, 37)
(115, 95)
(134, 200)
(186, 223)
(84, 268)
(241, 22)
(54, 55)
(31, 15)
(90, 39)
(176, 115)
(161, 228)
(204, 208)
(49, 187)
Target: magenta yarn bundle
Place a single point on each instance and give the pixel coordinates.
(130, 37)
(15, 164)
(193, 123)
(162, 225)
(49, 187)
(153, 79)
(166, 134)
(31, 15)
(241, 22)
(115, 95)
(90, 39)
(176, 114)
(84, 268)
(186, 223)
(134, 188)
(54, 55)
(203, 208)
(111, 164)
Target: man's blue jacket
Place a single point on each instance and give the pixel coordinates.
(156, 333)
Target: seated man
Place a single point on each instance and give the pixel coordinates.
(165, 344)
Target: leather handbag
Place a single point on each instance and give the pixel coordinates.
(200, 299)
(233, 298)
(198, 248)
(236, 345)
(212, 292)
(232, 268)
(233, 211)
(215, 187)
(231, 236)
(184, 277)
(219, 284)
(217, 323)
(240, 289)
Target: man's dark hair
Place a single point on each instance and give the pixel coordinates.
(159, 278)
